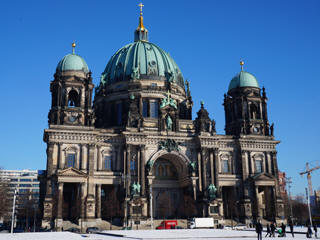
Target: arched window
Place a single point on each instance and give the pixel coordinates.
(73, 99)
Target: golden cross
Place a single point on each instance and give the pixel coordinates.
(141, 6)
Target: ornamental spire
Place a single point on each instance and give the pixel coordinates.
(141, 33)
(73, 47)
(241, 64)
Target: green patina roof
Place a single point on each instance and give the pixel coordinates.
(72, 62)
(138, 58)
(243, 79)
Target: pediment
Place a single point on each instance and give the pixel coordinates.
(71, 172)
(263, 177)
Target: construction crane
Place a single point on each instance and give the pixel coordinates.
(308, 172)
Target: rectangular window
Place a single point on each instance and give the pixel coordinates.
(258, 166)
(154, 109)
(107, 163)
(145, 108)
(24, 185)
(132, 165)
(225, 166)
(119, 114)
(25, 180)
(71, 160)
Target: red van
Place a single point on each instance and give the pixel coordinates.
(168, 224)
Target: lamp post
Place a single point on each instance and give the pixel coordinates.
(288, 181)
(308, 200)
(125, 179)
(151, 210)
(13, 209)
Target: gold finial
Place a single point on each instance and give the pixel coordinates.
(241, 64)
(141, 26)
(141, 6)
(73, 47)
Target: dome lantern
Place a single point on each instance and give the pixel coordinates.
(141, 33)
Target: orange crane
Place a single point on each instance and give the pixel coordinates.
(308, 172)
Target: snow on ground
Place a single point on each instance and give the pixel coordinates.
(186, 234)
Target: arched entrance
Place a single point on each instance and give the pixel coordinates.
(172, 187)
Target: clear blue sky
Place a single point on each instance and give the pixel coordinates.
(279, 41)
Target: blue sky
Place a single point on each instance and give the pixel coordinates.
(278, 40)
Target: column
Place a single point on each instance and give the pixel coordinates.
(98, 201)
(82, 200)
(204, 169)
(91, 159)
(50, 148)
(212, 167)
(128, 170)
(60, 200)
(84, 157)
(216, 169)
(99, 158)
(276, 172)
(142, 165)
(139, 165)
(60, 159)
(257, 201)
(199, 171)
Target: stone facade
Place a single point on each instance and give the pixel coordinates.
(138, 143)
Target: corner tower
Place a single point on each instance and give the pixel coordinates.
(245, 107)
(71, 92)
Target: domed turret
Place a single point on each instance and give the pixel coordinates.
(245, 107)
(243, 79)
(72, 62)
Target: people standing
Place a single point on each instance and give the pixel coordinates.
(273, 229)
(315, 230)
(259, 230)
(309, 232)
(291, 228)
(283, 228)
(268, 231)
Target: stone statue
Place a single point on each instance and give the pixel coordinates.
(193, 167)
(213, 126)
(169, 122)
(271, 129)
(149, 165)
(212, 192)
(135, 73)
(135, 189)
(188, 88)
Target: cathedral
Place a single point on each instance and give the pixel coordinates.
(135, 153)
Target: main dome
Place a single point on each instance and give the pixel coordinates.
(141, 60)
(243, 79)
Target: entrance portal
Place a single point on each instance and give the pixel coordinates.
(172, 190)
(71, 202)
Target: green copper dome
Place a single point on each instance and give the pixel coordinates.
(243, 79)
(141, 60)
(72, 62)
